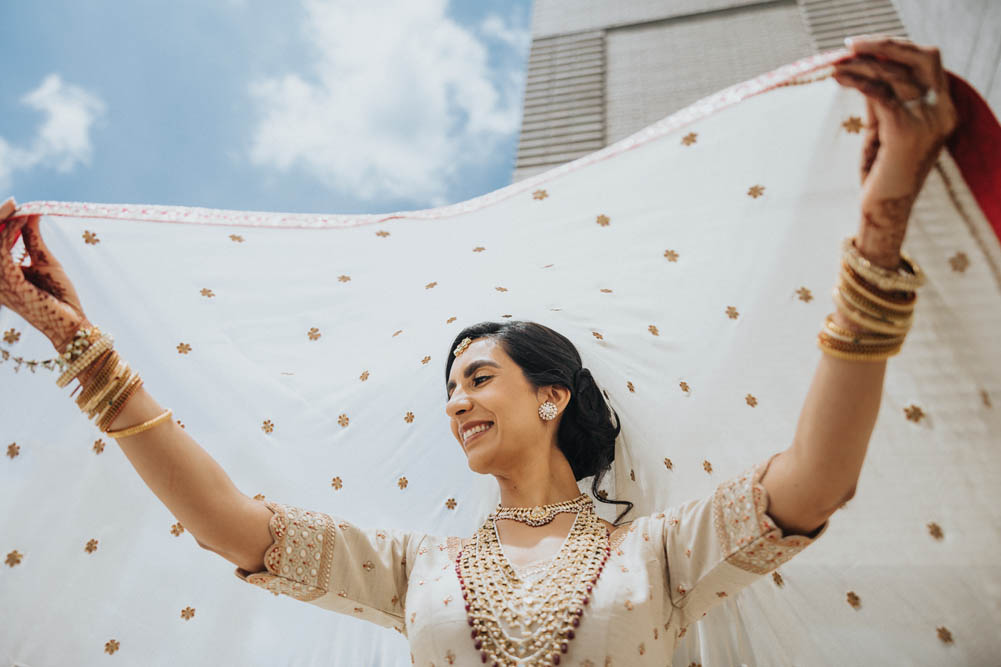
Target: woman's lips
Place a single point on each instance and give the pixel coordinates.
(476, 435)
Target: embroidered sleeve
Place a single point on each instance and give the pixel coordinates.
(717, 546)
(337, 566)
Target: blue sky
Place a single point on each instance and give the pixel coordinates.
(316, 106)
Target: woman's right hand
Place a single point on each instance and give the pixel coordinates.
(41, 293)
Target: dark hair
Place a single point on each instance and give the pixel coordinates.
(586, 434)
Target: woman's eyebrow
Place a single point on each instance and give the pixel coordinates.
(470, 369)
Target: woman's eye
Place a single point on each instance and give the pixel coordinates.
(482, 377)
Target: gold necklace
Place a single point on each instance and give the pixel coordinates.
(542, 613)
(539, 515)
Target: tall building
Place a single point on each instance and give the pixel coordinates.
(600, 70)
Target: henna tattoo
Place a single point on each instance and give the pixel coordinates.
(881, 243)
(869, 153)
(44, 282)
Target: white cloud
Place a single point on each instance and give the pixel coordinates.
(63, 139)
(518, 38)
(397, 101)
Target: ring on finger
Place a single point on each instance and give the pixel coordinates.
(930, 98)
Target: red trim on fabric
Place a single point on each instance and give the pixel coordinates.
(976, 148)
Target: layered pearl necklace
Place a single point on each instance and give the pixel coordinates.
(541, 612)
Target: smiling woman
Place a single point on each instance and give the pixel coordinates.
(528, 364)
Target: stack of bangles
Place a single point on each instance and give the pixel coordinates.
(106, 382)
(879, 301)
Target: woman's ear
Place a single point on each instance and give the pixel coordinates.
(557, 394)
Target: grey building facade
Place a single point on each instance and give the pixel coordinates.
(599, 70)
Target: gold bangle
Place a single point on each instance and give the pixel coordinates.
(116, 404)
(860, 318)
(145, 426)
(884, 298)
(98, 380)
(103, 344)
(873, 310)
(93, 407)
(908, 276)
(859, 337)
(846, 346)
(857, 356)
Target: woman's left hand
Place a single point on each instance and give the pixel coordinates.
(906, 131)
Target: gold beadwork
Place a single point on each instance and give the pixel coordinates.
(145, 426)
(462, 346)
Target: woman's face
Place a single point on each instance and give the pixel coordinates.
(487, 388)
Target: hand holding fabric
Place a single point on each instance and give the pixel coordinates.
(905, 132)
(41, 293)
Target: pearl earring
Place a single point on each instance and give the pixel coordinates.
(547, 411)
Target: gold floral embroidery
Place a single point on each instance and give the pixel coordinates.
(368, 566)
(479, 248)
(603, 220)
(853, 599)
(501, 289)
(853, 125)
(450, 503)
(747, 536)
(540, 194)
(90, 238)
(450, 657)
(267, 426)
(935, 530)
(363, 376)
(402, 483)
(177, 529)
(207, 292)
(13, 450)
(707, 466)
(684, 387)
(430, 285)
(425, 360)
(259, 496)
(632, 474)
(597, 335)
(409, 417)
(653, 329)
(91, 546)
(959, 262)
(777, 578)
(642, 649)
(914, 413)
(606, 291)
(629, 385)
(111, 646)
(450, 320)
(344, 279)
(336, 483)
(343, 420)
(944, 634)
(668, 464)
(187, 613)
(236, 238)
(382, 233)
(298, 562)
(11, 336)
(689, 138)
(805, 294)
(671, 255)
(313, 333)
(732, 313)
(756, 191)
(14, 558)
(397, 333)
(183, 348)
(507, 315)
(721, 594)
(98, 446)
(751, 400)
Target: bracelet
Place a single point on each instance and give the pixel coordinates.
(908, 277)
(856, 356)
(886, 299)
(145, 426)
(861, 301)
(117, 404)
(861, 318)
(859, 337)
(103, 344)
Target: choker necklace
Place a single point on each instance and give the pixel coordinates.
(530, 620)
(540, 515)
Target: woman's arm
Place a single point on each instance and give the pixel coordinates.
(194, 487)
(809, 481)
